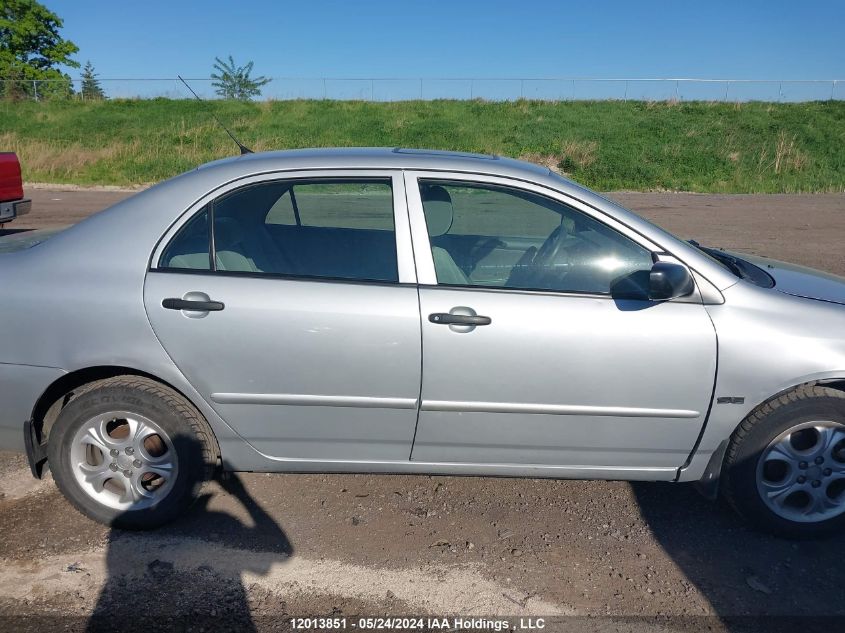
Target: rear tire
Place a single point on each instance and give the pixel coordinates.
(784, 469)
(130, 453)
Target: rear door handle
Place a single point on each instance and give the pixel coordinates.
(445, 318)
(173, 303)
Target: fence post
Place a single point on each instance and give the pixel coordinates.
(832, 89)
(727, 86)
(35, 89)
(780, 91)
(677, 98)
(324, 88)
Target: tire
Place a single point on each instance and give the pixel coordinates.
(784, 468)
(130, 452)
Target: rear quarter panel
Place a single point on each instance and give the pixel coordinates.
(20, 388)
(76, 301)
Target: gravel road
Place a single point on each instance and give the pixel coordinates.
(259, 547)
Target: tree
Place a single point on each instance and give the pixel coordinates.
(234, 82)
(31, 48)
(90, 84)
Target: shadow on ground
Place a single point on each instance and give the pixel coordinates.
(198, 581)
(743, 573)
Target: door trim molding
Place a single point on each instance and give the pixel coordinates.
(554, 409)
(305, 400)
(372, 402)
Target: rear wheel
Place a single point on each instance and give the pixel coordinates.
(130, 452)
(785, 466)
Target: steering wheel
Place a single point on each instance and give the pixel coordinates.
(549, 251)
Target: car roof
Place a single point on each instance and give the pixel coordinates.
(381, 157)
(125, 232)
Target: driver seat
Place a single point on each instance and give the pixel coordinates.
(439, 214)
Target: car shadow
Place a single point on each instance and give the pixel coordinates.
(189, 575)
(753, 581)
(4, 232)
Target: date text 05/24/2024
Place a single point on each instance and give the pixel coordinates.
(415, 623)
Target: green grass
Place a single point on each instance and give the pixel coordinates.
(607, 145)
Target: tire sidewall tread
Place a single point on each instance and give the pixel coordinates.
(752, 437)
(170, 410)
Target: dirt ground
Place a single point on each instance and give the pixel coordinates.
(584, 555)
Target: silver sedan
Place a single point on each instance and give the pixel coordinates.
(392, 310)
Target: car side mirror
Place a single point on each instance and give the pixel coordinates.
(669, 281)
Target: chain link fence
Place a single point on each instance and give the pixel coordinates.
(428, 89)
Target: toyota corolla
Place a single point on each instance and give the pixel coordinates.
(409, 311)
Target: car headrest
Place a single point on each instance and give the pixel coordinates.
(437, 205)
(227, 233)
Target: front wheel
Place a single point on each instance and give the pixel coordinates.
(784, 469)
(130, 452)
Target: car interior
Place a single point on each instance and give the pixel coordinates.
(263, 229)
(246, 240)
(562, 249)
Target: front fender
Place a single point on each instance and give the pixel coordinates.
(769, 343)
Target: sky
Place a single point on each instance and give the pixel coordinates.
(774, 39)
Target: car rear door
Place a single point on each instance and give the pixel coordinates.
(566, 366)
(290, 304)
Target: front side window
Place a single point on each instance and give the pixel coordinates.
(492, 236)
(311, 228)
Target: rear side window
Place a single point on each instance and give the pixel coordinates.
(340, 229)
(345, 205)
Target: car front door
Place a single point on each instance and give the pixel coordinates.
(290, 305)
(539, 343)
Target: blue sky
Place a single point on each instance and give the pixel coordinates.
(645, 38)
(774, 39)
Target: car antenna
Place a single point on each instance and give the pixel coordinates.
(244, 149)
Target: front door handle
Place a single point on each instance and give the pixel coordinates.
(173, 303)
(446, 318)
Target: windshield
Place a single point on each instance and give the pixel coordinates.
(23, 240)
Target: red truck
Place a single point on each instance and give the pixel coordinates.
(12, 202)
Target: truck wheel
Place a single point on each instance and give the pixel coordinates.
(130, 452)
(785, 466)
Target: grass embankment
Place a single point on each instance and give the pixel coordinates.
(607, 145)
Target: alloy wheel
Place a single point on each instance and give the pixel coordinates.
(801, 473)
(123, 460)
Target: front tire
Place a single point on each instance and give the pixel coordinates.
(784, 469)
(130, 452)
